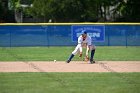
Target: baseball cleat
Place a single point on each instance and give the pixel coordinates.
(68, 61)
(92, 61)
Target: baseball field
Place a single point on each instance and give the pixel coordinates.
(33, 70)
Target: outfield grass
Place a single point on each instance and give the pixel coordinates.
(69, 83)
(62, 53)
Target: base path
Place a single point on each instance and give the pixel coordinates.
(74, 66)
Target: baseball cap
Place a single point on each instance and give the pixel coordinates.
(83, 32)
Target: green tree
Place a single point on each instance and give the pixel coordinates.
(64, 10)
(128, 10)
(6, 15)
(81, 10)
(132, 11)
(1, 10)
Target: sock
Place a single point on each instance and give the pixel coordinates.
(71, 56)
(92, 54)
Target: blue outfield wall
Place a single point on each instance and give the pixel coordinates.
(61, 35)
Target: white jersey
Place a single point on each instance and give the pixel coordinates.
(83, 43)
(87, 40)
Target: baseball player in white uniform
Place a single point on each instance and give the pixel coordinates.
(84, 40)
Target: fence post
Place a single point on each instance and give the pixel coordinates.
(126, 39)
(10, 39)
(47, 35)
(45, 29)
(108, 40)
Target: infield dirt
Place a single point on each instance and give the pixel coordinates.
(74, 66)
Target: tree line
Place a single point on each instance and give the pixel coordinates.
(80, 10)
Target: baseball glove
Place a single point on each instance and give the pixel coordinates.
(80, 55)
(86, 58)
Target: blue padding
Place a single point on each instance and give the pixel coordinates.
(60, 35)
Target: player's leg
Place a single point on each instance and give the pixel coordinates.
(70, 58)
(76, 50)
(92, 54)
(86, 58)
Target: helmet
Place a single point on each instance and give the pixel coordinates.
(84, 32)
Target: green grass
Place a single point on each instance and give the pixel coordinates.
(62, 53)
(69, 83)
